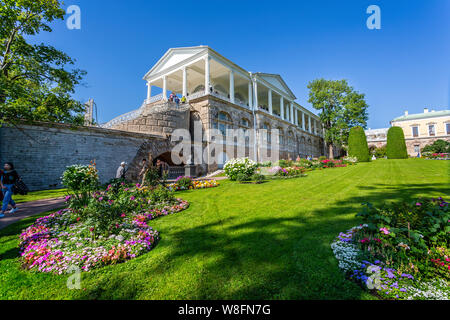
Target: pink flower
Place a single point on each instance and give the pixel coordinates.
(418, 204)
(385, 230)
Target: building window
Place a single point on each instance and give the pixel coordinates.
(447, 126)
(431, 130)
(268, 133)
(223, 123)
(245, 124)
(281, 136)
(415, 131)
(416, 149)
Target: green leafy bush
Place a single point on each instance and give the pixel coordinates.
(152, 177)
(357, 144)
(81, 180)
(438, 146)
(162, 194)
(184, 182)
(396, 146)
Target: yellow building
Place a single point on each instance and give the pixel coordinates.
(423, 128)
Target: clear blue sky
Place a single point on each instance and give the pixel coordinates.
(403, 66)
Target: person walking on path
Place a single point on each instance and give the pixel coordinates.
(121, 171)
(8, 179)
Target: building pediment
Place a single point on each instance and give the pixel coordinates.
(174, 57)
(277, 82)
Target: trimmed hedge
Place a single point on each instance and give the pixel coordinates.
(357, 144)
(396, 146)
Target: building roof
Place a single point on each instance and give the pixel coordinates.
(425, 115)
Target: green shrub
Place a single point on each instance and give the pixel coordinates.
(357, 144)
(438, 146)
(152, 177)
(243, 177)
(322, 158)
(81, 180)
(396, 146)
(161, 194)
(184, 182)
(380, 152)
(258, 177)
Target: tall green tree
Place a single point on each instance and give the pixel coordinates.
(341, 108)
(36, 83)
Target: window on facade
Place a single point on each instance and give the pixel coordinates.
(290, 138)
(447, 126)
(415, 131)
(431, 130)
(245, 124)
(281, 136)
(223, 123)
(416, 148)
(268, 134)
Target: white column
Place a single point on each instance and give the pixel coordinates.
(164, 93)
(282, 107)
(207, 82)
(296, 116)
(231, 86)
(292, 112)
(184, 82)
(303, 121)
(309, 122)
(255, 99)
(149, 90)
(270, 102)
(250, 96)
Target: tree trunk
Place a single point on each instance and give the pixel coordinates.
(330, 151)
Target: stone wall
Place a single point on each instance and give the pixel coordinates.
(159, 118)
(41, 152)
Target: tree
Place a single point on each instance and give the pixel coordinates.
(341, 108)
(357, 144)
(396, 146)
(438, 146)
(35, 84)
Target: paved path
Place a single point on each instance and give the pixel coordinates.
(28, 209)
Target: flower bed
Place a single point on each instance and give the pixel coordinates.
(436, 156)
(57, 241)
(98, 229)
(401, 252)
(187, 183)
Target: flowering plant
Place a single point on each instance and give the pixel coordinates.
(243, 166)
(111, 229)
(400, 250)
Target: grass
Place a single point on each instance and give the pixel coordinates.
(243, 241)
(38, 195)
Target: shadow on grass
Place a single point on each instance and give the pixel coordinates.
(260, 258)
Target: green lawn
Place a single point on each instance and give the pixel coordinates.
(38, 195)
(267, 241)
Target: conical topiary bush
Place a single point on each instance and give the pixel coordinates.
(357, 144)
(396, 146)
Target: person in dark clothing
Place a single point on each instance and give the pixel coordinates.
(7, 181)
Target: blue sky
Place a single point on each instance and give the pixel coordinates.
(403, 66)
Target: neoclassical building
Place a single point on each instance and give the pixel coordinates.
(420, 129)
(222, 95)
